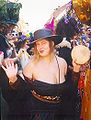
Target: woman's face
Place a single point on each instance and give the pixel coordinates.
(43, 47)
(9, 36)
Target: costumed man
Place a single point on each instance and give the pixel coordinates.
(9, 16)
(4, 44)
(68, 27)
(86, 100)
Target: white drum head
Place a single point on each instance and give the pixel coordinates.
(80, 54)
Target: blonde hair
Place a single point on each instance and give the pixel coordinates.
(36, 54)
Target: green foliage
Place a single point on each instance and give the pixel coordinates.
(9, 11)
(3, 10)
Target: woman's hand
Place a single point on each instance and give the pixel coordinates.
(76, 67)
(11, 70)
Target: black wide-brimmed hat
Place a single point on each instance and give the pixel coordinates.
(46, 34)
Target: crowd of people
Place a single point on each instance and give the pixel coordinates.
(39, 80)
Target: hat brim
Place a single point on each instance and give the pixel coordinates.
(56, 38)
(10, 22)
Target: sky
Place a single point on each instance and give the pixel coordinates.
(37, 12)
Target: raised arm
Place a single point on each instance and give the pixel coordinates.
(12, 85)
(73, 74)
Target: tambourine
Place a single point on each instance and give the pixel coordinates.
(1, 56)
(80, 54)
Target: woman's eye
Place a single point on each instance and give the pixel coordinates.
(43, 43)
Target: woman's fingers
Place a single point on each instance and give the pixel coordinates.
(11, 63)
(76, 67)
(7, 64)
(16, 67)
(7, 61)
(4, 68)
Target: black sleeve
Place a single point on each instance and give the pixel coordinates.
(3, 43)
(73, 78)
(12, 92)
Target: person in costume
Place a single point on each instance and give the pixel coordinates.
(48, 90)
(67, 27)
(22, 55)
(4, 43)
(86, 100)
(9, 16)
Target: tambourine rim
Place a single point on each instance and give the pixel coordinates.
(74, 51)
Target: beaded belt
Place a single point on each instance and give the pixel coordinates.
(50, 99)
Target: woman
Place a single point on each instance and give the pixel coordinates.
(22, 56)
(48, 91)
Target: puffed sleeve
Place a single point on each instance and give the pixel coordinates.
(72, 77)
(14, 91)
